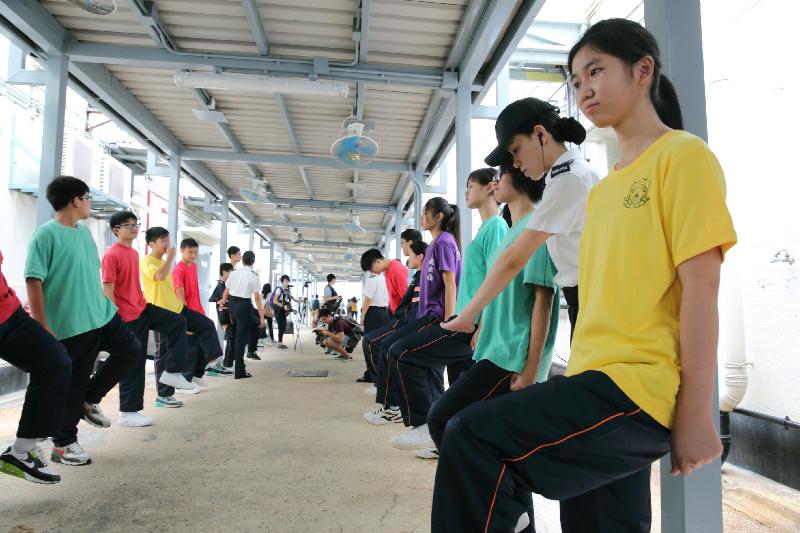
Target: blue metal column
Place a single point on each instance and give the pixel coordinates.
(251, 237)
(55, 100)
(688, 504)
(463, 158)
(174, 197)
(223, 231)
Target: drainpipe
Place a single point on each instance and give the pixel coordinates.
(732, 352)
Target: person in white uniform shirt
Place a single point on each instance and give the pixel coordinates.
(242, 285)
(376, 302)
(532, 134)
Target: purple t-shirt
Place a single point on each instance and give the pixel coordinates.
(441, 255)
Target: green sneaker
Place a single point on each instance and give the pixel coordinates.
(168, 401)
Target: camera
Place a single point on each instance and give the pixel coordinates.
(319, 337)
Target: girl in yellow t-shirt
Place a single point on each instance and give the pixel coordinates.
(643, 361)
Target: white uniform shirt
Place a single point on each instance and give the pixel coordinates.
(562, 212)
(375, 289)
(243, 282)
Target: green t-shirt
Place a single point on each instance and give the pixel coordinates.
(506, 328)
(475, 263)
(65, 260)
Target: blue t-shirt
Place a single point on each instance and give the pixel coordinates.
(441, 256)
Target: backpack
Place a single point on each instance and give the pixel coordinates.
(272, 299)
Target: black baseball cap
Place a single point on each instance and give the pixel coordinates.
(510, 120)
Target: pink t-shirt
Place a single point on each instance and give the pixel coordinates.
(396, 283)
(8, 299)
(186, 277)
(121, 267)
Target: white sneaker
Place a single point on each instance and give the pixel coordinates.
(372, 389)
(70, 455)
(414, 439)
(200, 382)
(383, 416)
(134, 420)
(173, 379)
(194, 390)
(428, 453)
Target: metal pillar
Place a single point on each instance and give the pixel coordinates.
(463, 158)
(272, 262)
(386, 237)
(418, 189)
(55, 99)
(174, 196)
(398, 216)
(688, 504)
(223, 231)
(251, 237)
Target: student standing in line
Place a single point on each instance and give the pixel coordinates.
(242, 286)
(159, 291)
(120, 275)
(224, 320)
(394, 272)
(376, 366)
(187, 288)
(518, 329)
(28, 346)
(408, 236)
(375, 311)
(413, 358)
(531, 131)
(441, 269)
(643, 363)
(62, 276)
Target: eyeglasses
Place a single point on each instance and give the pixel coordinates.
(87, 197)
(130, 225)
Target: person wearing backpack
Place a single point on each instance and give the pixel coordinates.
(342, 335)
(281, 305)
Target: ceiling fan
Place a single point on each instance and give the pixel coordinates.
(258, 193)
(98, 7)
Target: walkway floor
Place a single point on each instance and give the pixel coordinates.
(272, 453)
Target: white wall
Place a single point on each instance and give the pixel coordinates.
(751, 93)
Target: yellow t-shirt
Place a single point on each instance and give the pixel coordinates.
(641, 223)
(158, 293)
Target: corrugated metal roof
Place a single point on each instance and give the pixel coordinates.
(404, 33)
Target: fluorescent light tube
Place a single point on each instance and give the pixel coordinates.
(258, 83)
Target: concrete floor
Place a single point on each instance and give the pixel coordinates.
(271, 453)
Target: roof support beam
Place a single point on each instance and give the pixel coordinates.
(289, 160)
(140, 56)
(322, 204)
(254, 18)
(363, 44)
(308, 225)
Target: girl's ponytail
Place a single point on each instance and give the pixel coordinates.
(570, 130)
(453, 224)
(665, 100)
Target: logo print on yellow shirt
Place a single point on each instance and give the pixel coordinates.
(637, 196)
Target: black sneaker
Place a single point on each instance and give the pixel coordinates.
(366, 378)
(31, 466)
(253, 355)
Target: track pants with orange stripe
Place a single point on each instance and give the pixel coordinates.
(387, 384)
(418, 359)
(562, 438)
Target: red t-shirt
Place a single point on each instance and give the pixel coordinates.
(121, 267)
(8, 299)
(186, 277)
(396, 283)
